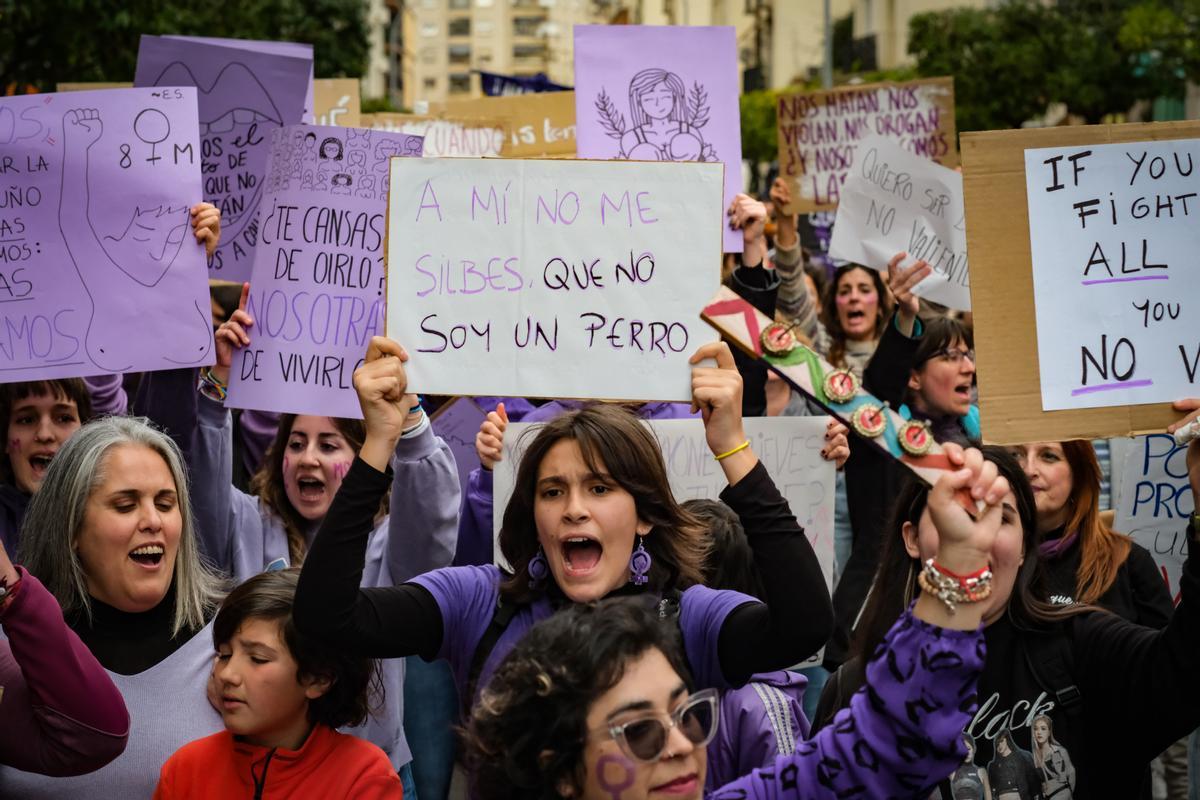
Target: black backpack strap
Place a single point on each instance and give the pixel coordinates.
(1052, 662)
(501, 617)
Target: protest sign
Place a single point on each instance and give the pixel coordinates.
(893, 201)
(1113, 227)
(243, 95)
(457, 422)
(537, 125)
(337, 101)
(995, 196)
(1155, 501)
(789, 447)
(293, 49)
(819, 131)
(661, 93)
(551, 278)
(316, 292)
(445, 138)
(99, 271)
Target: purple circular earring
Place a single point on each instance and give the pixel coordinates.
(639, 564)
(537, 569)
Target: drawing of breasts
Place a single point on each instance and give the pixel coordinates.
(686, 145)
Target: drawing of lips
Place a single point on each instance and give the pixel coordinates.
(238, 108)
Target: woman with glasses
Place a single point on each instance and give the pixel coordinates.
(598, 702)
(591, 514)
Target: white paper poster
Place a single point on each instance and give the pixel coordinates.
(894, 201)
(1114, 239)
(1154, 501)
(576, 279)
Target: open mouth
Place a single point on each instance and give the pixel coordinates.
(40, 463)
(963, 391)
(237, 116)
(311, 489)
(581, 554)
(855, 315)
(149, 555)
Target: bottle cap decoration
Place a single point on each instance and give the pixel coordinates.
(841, 386)
(869, 420)
(915, 437)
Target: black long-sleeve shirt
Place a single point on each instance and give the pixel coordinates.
(405, 620)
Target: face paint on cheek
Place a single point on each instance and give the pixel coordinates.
(340, 469)
(14, 445)
(620, 764)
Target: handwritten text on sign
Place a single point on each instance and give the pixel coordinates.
(1155, 502)
(99, 271)
(819, 132)
(316, 294)
(1113, 234)
(551, 278)
(789, 447)
(894, 201)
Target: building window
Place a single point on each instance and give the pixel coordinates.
(483, 27)
(460, 54)
(460, 27)
(460, 83)
(484, 56)
(526, 26)
(429, 29)
(522, 51)
(431, 83)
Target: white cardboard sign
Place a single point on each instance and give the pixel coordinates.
(1154, 501)
(893, 201)
(1113, 234)
(552, 278)
(789, 447)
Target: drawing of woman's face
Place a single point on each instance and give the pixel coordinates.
(658, 102)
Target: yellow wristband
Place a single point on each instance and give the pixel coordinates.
(737, 449)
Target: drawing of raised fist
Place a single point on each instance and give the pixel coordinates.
(86, 121)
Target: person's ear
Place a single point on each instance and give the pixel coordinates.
(911, 545)
(315, 686)
(643, 528)
(914, 381)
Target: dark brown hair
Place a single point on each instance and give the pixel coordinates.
(833, 323)
(268, 483)
(527, 733)
(730, 562)
(895, 580)
(353, 680)
(61, 388)
(613, 436)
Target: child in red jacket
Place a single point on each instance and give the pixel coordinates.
(281, 697)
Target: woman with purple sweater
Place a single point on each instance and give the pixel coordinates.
(60, 713)
(592, 514)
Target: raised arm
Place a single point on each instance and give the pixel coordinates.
(886, 375)
(920, 690)
(62, 713)
(794, 301)
(423, 524)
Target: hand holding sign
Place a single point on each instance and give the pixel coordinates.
(1193, 454)
(206, 226)
(231, 336)
(489, 442)
(837, 448)
(382, 388)
(903, 283)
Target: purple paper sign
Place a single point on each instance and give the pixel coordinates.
(243, 96)
(296, 49)
(649, 93)
(457, 422)
(99, 271)
(317, 291)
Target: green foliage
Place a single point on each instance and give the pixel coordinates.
(44, 42)
(759, 142)
(1010, 61)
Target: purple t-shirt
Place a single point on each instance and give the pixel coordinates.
(467, 599)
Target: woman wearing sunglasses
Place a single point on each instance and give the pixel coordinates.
(598, 702)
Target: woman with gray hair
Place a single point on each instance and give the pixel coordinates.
(111, 536)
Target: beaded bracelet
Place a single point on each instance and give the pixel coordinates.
(211, 386)
(953, 589)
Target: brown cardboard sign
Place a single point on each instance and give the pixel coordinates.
(537, 125)
(1002, 298)
(337, 101)
(818, 132)
(444, 137)
(87, 86)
